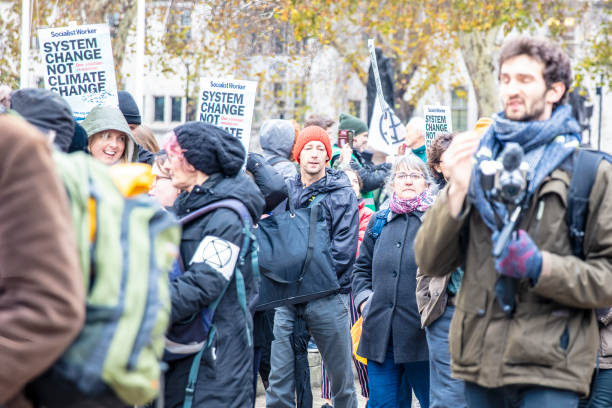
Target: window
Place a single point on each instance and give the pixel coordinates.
(179, 24)
(190, 110)
(279, 99)
(186, 24)
(177, 103)
(354, 108)
(113, 23)
(158, 108)
(299, 101)
(459, 108)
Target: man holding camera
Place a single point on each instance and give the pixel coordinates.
(524, 333)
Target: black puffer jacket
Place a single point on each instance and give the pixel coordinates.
(341, 213)
(224, 381)
(372, 175)
(271, 183)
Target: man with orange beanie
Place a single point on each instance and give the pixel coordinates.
(327, 318)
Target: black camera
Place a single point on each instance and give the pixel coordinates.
(505, 180)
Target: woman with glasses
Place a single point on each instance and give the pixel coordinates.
(384, 285)
(162, 189)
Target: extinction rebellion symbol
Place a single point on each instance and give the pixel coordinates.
(218, 253)
(395, 122)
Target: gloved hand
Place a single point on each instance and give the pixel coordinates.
(520, 259)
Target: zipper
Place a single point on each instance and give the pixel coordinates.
(539, 215)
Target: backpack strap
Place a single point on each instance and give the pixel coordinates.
(248, 242)
(316, 199)
(382, 217)
(582, 180)
(312, 230)
(277, 159)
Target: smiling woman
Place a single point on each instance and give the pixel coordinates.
(110, 138)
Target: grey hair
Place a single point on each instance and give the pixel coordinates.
(413, 162)
(418, 123)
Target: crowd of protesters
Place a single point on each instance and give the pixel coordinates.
(411, 243)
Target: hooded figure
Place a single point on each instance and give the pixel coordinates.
(205, 162)
(109, 137)
(276, 138)
(47, 111)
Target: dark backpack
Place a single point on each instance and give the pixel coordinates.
(382, 217)
(586, 163)
(295, 259)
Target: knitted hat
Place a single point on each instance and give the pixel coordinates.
(309, 134)
(103, 118)
(47, 111)
(350, 122)
(128, 107)
(79, 140)
(210, 149)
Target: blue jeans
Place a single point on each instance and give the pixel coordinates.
(601, 392)
(444, 391)
(519, 396)
(391, 384)
(328, 322)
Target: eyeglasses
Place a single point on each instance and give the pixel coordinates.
(404, 176)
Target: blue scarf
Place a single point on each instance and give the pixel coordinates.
(560, 134)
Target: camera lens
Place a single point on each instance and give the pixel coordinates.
(512, 156)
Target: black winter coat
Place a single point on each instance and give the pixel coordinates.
(271, 183)
(385, 275)
(341, 213)
(224, 381)
(373, 176)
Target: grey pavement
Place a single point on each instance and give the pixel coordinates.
(314, 359)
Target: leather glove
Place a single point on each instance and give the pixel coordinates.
(520, 259)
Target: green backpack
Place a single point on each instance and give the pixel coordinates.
(126, 249)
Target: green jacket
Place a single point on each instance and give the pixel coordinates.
(552, 339)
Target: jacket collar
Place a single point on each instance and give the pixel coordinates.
(419, 214)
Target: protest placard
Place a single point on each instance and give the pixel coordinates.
(385, 134)
(437, 120)
(228, 103)
(79, 66)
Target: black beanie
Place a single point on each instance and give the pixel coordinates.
(210, 149)
(79, 141)
(47, 111)
(128, 107)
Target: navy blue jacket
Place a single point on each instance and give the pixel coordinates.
(341, 213)
(385, 276)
